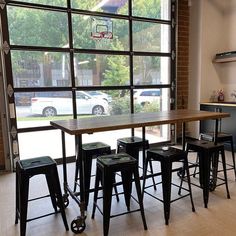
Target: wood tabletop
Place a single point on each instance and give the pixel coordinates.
(115, 122)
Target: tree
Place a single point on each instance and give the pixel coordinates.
(117, 71)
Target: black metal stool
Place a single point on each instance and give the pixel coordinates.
(132, 145)
(166, 156)
(222, 138)
(90, 151)
(208, 154)
(107, 166)
(26, 169)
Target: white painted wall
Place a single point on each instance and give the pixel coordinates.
(228, 75)
(212, 30)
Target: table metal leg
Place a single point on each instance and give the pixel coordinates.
(181, 172)
(65, 183)
(214, 160)
(144, 146)
(78, 224)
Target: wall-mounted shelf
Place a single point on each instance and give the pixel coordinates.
(225, 57)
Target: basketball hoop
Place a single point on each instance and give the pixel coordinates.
(102, 35)
(102, 28)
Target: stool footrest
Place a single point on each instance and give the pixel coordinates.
(38, 198)
(39, 217)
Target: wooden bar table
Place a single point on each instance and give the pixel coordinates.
(81, 126)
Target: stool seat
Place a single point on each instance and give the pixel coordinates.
(166, 156)
(96, 148)
(204, 145)
(133, 141)
(37, 163)
(208, 152)
(221, 137)
(25, 169)
(116, 161)
(107, 166)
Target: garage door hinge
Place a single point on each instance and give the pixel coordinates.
(2, 4)
(6, 47)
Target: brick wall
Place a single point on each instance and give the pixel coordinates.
(182, 54)
(182, 58)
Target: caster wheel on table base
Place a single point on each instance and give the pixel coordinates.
(78, 225)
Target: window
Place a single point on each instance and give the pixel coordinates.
(79, 58)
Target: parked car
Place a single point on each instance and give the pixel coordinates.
(99, 94)
(60, 103)
(146, 96)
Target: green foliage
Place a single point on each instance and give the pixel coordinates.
(33, 27)
(150, 8)
(121, 105)
(117, 71)
(151, 107)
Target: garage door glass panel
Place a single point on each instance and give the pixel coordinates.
(97, 103)
(92, 32)
(61, 3)
(114, 7)
(42, 107)
(151, 37)
(151, 9)
(21, 20)
(152, 100)
(45, 143)
(150, 70)
(40, 69)
(99, 69)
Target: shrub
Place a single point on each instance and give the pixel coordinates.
(122, 106)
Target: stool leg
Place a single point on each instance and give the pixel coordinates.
(182, 179)
(51, 188)
(24, 194)
(118, 148)
(140, 199)
(189, 183)
(127, 185)
(107, 196)
(225, 172)
(233, 156)
(214, 165)
(97, 179)
(59, 196)
(182, 173)
(196, 165)
(115, 187)
(153, 180)
(144, 175)
(87, 177)
(166, 168)
(204, 172)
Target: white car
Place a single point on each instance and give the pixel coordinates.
(60, 103)
(99, 94)
(146, 96)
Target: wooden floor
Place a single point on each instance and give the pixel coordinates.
(218, 219)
